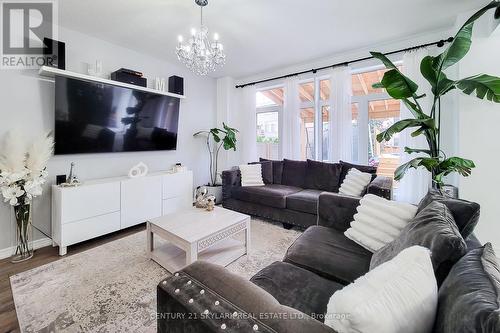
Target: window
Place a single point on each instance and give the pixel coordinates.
(315, 119)
(373, 111)
(325, 90)
(269, 107)
(307, 133)
(307, 120)
(271, 97)
(306, 92)
(362, 82)
(385, 155)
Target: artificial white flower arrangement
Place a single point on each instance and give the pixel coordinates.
(22, 168)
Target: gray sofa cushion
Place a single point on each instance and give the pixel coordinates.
(277, 170)
(304, 201)
(465, 213)
(363, 168)
(297, 288)
(267, 171)
(327, 252)
(433, 228)
(273, 195)
(322, 176)
(294, 173)
(469, 299)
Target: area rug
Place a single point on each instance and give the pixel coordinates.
(112, 288)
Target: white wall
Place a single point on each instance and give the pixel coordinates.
(479, 139)
(28, 104)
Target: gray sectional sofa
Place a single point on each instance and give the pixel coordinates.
(292, 295)
(292, 189)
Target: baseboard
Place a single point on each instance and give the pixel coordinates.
(39, 243)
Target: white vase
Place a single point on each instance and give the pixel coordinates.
(216, 191)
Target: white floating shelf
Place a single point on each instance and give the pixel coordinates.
(48, 71)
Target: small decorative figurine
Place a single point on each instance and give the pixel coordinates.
(210, 202)
(72, 179)
(160, 83)
(201, 197)
(138, 170)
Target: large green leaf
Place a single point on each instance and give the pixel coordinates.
(450, 165)
(415, 111)
(460, 45)
(215, 134)
(398, 86)
(485, 86)
(409, 150)
(456, 164)
(427, 162)
(229, 129)
(440, 85)
(429, 72)
(427, 123)
(386, 61)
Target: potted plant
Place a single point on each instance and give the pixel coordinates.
(22, 174)
(217, 138)
(428, 122)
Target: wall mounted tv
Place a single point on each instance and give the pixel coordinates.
(93, 117)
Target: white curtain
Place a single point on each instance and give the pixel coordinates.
(415, 184)
(290, 141)
(340, 140)
(247, 127)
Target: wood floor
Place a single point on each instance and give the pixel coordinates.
(8, 318)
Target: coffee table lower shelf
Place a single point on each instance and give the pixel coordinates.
(173, 258)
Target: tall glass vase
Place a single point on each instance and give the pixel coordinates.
(24, 233)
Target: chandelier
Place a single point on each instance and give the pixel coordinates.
(200, 54)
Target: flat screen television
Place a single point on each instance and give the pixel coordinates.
(92, 117)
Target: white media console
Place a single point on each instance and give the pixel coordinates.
(99, 207)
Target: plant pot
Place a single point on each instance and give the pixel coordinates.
(24, 233)
(216, 191)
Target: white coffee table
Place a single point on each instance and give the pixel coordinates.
(196, 234)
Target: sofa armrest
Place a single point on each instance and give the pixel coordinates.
(336, 210)
(230, 179)
(204, 297)
(381, 186)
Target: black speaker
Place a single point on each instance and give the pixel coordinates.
(55, 52)
(129, 78)
(176, 85)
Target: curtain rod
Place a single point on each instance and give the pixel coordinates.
(440, 43)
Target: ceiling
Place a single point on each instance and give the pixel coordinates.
(260, 35)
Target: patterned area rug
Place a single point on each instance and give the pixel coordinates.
(112, 288)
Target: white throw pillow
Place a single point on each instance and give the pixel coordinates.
(398, 296)
(379, 221)
(251, 175)
(355, 182)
